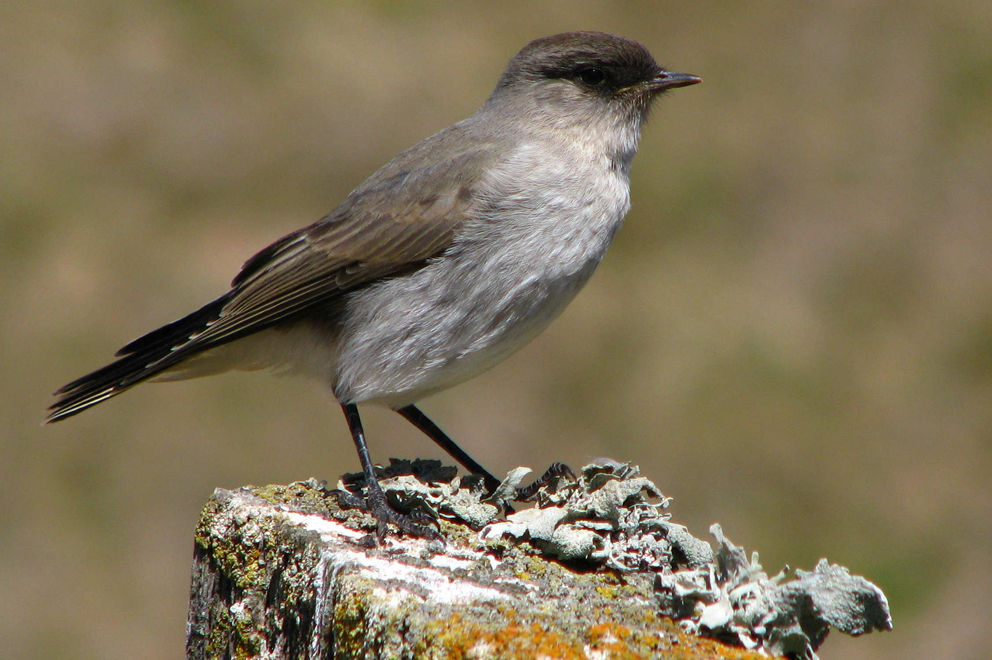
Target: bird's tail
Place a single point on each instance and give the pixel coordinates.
(140, 360)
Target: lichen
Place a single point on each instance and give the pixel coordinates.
(584, 572)
(613, 517)
(734, 599)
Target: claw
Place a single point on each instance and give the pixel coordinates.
(555, 470)
(411, 524)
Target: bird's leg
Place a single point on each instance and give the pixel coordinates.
(414, 415)
(375, 498)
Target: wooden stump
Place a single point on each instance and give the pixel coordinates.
(282, 572)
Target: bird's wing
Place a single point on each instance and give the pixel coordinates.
(394, 222)
(401, 217)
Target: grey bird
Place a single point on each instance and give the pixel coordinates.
(445, 261)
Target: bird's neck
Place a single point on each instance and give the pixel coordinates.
(601, 137)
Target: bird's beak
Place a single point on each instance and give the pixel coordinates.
(667, 80)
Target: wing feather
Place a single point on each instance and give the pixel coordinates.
(401, 217)
(357, 243)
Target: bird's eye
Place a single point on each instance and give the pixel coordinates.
(591, 75)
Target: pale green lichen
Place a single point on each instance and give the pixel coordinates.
(611, 524)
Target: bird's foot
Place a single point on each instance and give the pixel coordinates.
(416, 523)
(554, 471)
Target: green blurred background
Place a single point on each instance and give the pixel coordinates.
(792, 334)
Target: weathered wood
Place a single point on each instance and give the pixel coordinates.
(280, 571)
(594, 570)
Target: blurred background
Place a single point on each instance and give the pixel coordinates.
(792, 334)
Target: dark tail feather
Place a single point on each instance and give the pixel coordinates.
(139, 360)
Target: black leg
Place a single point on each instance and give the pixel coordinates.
(413, 414)
(375, 498)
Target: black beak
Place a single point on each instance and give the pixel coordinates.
(667, 80)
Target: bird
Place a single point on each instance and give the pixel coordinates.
(446, 260)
